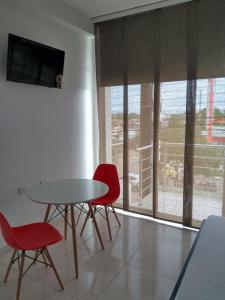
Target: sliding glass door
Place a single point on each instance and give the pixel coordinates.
(140, 145)
(171, 150)
(114, 131)
(140, 139)
(209, 150)
(161, 104)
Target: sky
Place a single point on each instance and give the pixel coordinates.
(171, 92)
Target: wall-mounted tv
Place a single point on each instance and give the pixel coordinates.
(34, 63)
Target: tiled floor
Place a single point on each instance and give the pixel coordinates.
(142, 262)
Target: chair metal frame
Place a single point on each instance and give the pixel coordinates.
(108, 174)
(97, 209)
(20, 259)
(21, 249)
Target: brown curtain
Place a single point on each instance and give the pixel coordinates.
(172, 25)
(174, 44)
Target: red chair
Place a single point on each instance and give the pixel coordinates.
(106, 173)
(35, 237)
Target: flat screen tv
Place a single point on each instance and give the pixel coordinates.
(34, 63)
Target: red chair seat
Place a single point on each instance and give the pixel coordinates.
(36, 236)
(103, 201)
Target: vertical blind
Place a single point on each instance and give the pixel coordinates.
(160, 64)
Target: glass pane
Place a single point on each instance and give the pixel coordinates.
(171, 150)
(114, 131)
(140, 139)
(209, 149)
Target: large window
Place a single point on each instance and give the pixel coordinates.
(209, 149)
(114, 130)
(161, 101)
(140, 113)
(171, 150)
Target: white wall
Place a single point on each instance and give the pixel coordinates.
(44, 133)
(60, 12)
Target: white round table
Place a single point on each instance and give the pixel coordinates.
(66, 193)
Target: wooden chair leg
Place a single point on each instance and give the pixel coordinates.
(9, 266)
(85, 222)
(20, 276)
(92, 214)
(35, 257)
(45, 220)
(115, 214)
(107, 219)
(53, 266)
(79, 215)
(44, 259)
(43, 256)
(65, 222)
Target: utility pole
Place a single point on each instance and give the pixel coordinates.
(200, 100)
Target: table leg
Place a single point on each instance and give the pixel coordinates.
(65, 222)
(47, 213)
(85, 222)
(96, 225)
(74, 240)
(80, 214)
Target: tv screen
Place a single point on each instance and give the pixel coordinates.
(34, 63)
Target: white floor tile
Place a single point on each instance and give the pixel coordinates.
(135, 284)
(142, 262)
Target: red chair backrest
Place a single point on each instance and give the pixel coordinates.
(8, 233)
(107, 173)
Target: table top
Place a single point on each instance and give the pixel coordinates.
(67, 191)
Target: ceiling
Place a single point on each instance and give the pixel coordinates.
(96, 8)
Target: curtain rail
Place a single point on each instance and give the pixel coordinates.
(136, 10)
